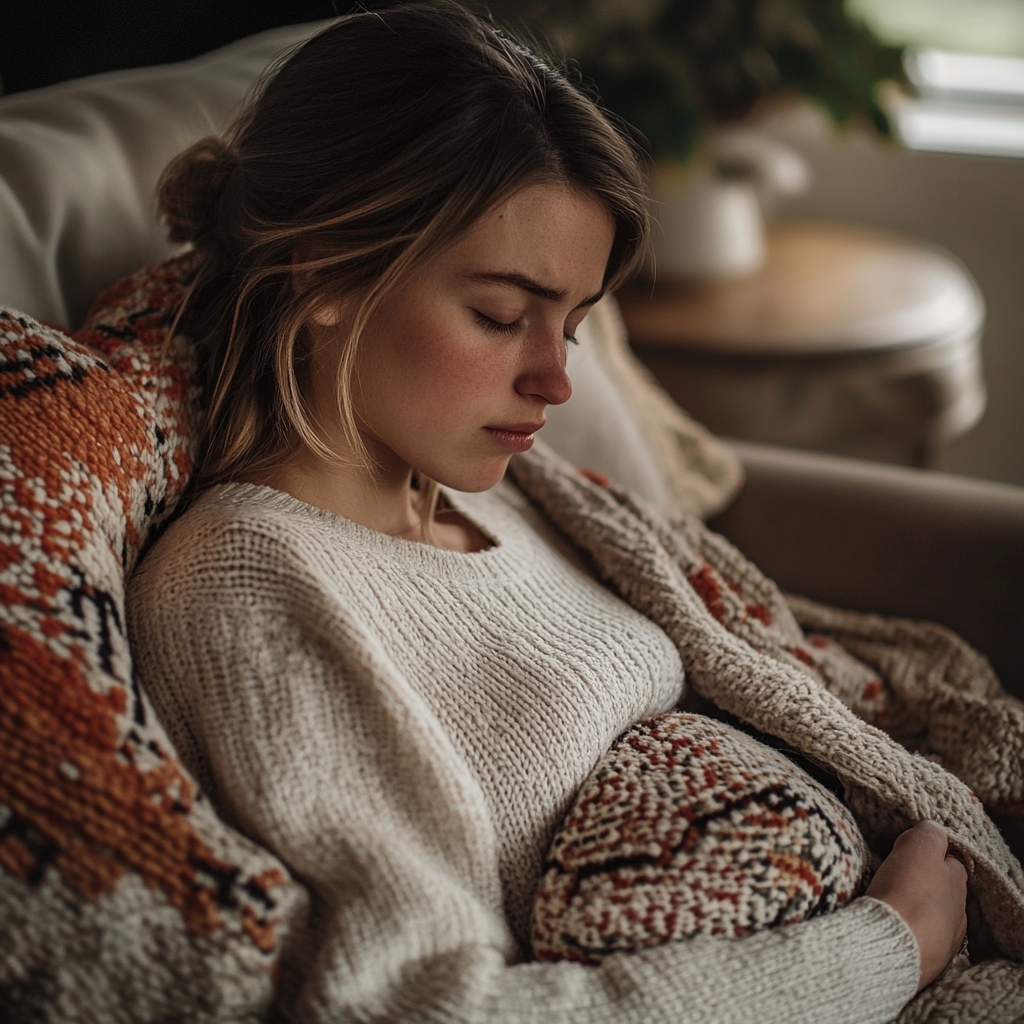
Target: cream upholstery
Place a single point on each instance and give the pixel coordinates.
(79, 163)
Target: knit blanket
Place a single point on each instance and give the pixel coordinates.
(744, 649)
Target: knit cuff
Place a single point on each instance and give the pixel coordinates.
(859, 965)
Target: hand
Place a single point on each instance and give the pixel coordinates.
(928, 889)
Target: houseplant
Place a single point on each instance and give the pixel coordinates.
(684, 73)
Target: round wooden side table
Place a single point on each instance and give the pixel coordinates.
(848, 340)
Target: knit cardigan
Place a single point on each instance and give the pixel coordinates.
(759, 667)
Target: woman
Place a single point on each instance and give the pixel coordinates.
(399, 689)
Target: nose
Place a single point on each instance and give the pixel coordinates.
(544, 374)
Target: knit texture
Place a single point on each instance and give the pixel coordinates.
(463, 699)
(760, 668)
(688, 826)
(122, 896)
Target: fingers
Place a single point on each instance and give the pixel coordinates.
(927, 836)
(955, 869)
(929, 839)
(927, 887)
(956, 874)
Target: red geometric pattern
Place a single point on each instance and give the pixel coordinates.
(94, 454)
(748, 609)
(690, 827)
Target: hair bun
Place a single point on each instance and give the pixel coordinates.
(191, 188)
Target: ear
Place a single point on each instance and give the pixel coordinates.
(330, 315)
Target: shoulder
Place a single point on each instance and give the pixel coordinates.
(226, 522)
(238, 544)
(245, 590)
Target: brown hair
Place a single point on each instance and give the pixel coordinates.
(371, 148)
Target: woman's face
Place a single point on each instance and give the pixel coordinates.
(455, 370)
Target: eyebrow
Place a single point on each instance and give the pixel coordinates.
(527, 284)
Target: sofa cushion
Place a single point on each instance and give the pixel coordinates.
(687, 827)
(621, 423)
(79, 163)
(122, 896)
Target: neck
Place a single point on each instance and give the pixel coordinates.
(381, 498)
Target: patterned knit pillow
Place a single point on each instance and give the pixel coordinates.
(690, 827)
(122, 896)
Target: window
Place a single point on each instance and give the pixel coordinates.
(966, 60)
(993, 27)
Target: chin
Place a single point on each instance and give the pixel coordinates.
(473, 479)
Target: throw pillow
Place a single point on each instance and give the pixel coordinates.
(687, 827)
(122, 896)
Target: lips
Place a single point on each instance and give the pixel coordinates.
(516, 437)
(520, 428)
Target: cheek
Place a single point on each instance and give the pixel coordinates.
(472, 376)
(443, 367)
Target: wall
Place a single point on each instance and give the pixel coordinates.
(974, 207)
(48, 41)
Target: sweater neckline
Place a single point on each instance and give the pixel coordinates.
(272, 497)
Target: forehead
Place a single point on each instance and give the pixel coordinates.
(550, 233)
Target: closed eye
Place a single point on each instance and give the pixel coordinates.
(500, 327)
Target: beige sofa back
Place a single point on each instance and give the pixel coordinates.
(79, 164)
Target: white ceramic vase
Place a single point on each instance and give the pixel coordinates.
(706, 227)
(708, 215)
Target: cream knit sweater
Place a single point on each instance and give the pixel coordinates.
(405, 727)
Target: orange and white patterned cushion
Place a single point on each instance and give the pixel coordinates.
(688, 827)
(122, 895)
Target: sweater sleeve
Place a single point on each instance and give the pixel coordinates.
(314, 745)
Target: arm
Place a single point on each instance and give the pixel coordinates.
(319, 750)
